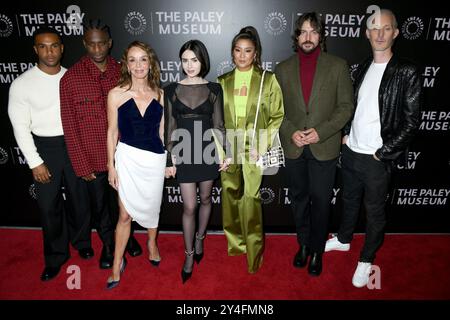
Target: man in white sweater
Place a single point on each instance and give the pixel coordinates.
(34, 110)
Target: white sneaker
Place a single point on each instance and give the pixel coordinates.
(334, 244)
(362, 273)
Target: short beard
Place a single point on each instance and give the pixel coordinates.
(309, 50)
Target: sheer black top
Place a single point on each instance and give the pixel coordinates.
(189, 103)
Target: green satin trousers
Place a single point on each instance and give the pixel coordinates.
(242, 213)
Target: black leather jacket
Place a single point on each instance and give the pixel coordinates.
(400, 101)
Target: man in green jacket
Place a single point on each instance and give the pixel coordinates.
(318, 101)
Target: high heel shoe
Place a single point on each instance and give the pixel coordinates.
(185, 276)
(111, 284)
(154, 262)
(198, 256)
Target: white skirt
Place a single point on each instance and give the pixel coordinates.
(141, 181)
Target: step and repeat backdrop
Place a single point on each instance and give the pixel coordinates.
(420, 193)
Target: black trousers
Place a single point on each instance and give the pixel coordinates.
(366, 180)
(98, 199)
(310, 183)
(62, 222)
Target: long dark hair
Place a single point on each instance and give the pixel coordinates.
(249, 33)
(154, 73)
(316, 22)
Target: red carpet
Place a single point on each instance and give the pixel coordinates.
(412, 267)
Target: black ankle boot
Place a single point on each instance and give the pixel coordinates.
(301, 258)
(198, 256)
(315, 264)
(185, 276)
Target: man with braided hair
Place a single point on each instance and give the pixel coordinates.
(84, 90)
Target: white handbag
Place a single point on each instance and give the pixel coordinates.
(274, 157)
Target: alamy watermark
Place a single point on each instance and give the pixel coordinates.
(190, 148)
(374, 278)
(73, 282)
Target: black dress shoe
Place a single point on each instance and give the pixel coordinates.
(133, 247)
(301, 258)
(315, 264)
(86, 253)
(107, 257)
(49, 273)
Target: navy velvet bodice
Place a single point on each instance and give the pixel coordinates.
(139, 131)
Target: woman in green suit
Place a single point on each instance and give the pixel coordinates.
(241, 203)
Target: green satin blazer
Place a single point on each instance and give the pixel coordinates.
(271, 110)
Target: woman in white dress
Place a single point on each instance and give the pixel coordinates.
(136, 154)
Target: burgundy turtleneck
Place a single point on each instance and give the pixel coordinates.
(308, 62)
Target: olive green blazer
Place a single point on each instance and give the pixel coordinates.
(271, 109)
(330, 105)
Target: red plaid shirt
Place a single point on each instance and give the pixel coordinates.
(84, 91)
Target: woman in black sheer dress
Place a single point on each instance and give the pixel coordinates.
(193, 120)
